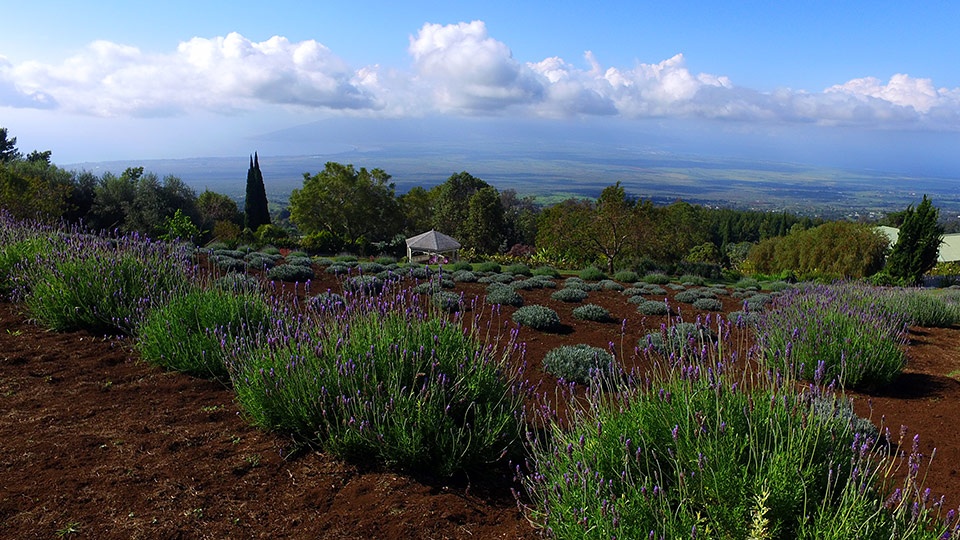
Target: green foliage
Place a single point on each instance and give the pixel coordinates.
(922, 308)
(503, 295)
(656, 278)
(592, 273)
(349, 204)
(580, 363)
(255, 206)
(547, 271)
(15, 252)
(464, 276)
(708, 304)
(411, 392)
(626, 276)
(570, 294)
(488, 266)
(651, 307)
(693, 453)
(842, 332)
(839, 248)
(918, 243)
(592, 312)
(189, 332)
(518, 269)
(103, 285)
(610, 285)
(363, 284)
(447, 301)
(537, 317)
(290, 272)
(484, 227)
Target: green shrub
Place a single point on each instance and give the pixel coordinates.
(299, 261)
(840, 332)
(327, 301)
(447, 301)
(626, 276)
(488, 266)
(189, 333)
(547, 271)
(371, 267)
(269, 250)
(396, 388)
(690, 296)
(385, 260)
(503, 295)
(610, 285)
(259, 261)
(237, 282)
(651, 307)
(17, 253)
(519, 269)
(578, 363)
(363, 284)
(747, 283)
(461, 265)
(104, 285)
(656, 278)
(464, 276)
(708, 304)
(569, 295)
(227, 263)
(679, 339)
(592, 312)
(336, 269)
(691, 279)
(291, 272)
(592, 273)
(537, 317)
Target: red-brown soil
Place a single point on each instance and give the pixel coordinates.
(96, 444)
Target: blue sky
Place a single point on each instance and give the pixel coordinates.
(121, 80)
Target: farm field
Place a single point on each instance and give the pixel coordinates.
(96, 444)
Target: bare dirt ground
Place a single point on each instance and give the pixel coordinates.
(96, 444)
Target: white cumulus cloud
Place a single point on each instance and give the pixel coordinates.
(456, 69)
(222, 74)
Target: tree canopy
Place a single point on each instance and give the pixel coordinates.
(354, 205)
(918, 243)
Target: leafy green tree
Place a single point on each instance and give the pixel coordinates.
(416, 206)
(255, 206)
(918, 243)
(483, 229)
(354, 205)
(8, 147)
(520, 218)
(452, 203)
(585, 231)
(836, 249)
(35, 190)
(214, 207)
(180, 227)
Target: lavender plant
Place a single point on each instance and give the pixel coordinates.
(383, 381)
(537, 317)
(843, 329)
(579, 363)
(701, 447)
(104, 284)
(189, 332)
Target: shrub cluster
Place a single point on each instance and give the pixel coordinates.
(592, 312)
(537, 317)
(578, 363)
(569, 295)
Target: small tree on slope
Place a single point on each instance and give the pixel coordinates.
(918, 244)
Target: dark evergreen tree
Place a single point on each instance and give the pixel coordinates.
(8, 147)
(918, 243)
(255, 209)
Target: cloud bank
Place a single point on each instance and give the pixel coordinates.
(457, 69)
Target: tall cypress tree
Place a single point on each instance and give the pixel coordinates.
(918, 243)
(255, 210)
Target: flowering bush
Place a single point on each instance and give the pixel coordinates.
(578, 363)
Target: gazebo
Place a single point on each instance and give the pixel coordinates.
(431, 244)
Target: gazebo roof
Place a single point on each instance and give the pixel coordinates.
(432, 241)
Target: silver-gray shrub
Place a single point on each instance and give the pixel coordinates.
(580, 363)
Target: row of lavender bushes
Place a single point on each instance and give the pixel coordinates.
(699, 446)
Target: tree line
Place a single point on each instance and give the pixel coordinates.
(343, 208)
